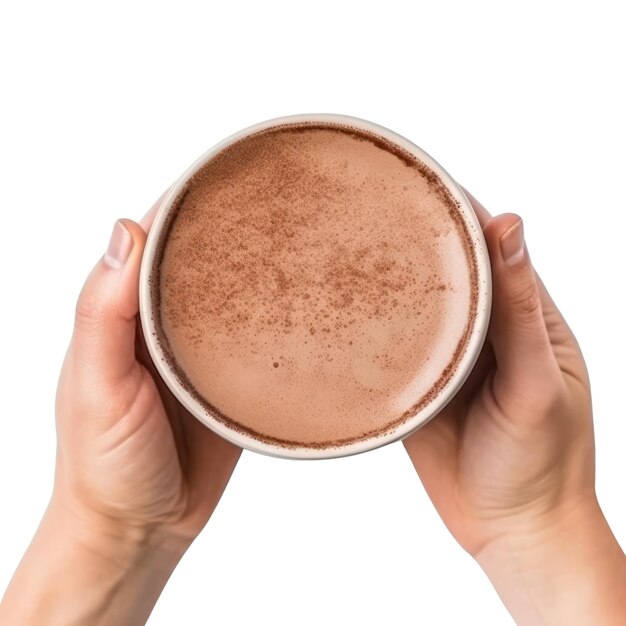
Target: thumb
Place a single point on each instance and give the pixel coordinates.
(103, 343)
(518, 332)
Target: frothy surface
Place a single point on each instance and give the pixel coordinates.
(314, 286)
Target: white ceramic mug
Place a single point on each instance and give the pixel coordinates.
(424, 414)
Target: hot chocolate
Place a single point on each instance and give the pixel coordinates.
(314, 285)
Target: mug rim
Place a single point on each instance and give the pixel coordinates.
(424, 414)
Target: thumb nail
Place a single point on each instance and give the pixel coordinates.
(512, 244)
(119, 247)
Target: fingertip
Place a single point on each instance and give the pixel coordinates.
(119, 248)
(137, 233)
(501, 223)
(505, 239)
(125, 244)
(512, 246)
(128, 287)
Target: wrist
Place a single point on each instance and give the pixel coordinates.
(83, 568)
(118, 544)
(561, 567)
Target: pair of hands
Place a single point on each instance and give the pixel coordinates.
(517, 441)
(509, 463)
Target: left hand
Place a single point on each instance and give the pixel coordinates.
(509, 463)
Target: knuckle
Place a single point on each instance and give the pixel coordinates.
(90, 311)
(548, 396)
(548, 400)
(526, 300)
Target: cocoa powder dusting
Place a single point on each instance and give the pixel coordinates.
(316, 285)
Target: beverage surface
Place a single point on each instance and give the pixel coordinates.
(314, 285)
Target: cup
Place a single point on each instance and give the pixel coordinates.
(422, 415)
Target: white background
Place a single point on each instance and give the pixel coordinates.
(103, 105)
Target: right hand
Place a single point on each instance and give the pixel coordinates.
(137, 477)
(130, 455)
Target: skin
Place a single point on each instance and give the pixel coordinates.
(137, 477)
(509, 463)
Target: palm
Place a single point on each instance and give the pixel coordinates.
(188, 466)
(479, 465)
(140, 457)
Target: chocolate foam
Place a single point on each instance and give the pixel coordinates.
(314, 285)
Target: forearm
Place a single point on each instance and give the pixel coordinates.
(570, 572)
(75, 574)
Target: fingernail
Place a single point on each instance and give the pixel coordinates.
(512, 244)
(119, 248)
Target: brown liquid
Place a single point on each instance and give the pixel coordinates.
(315, 285)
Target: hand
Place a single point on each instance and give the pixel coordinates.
(509, 463)
(517, 440)
(128, 452)
(137, 477)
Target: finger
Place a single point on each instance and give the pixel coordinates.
(103, 343)
(148, 219)
(564, 343)
(518, 331)
(558, 328)
(555, 322)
